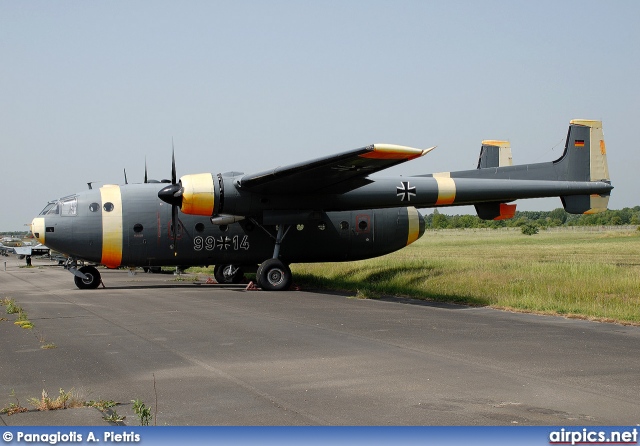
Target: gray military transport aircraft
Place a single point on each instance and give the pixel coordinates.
(324, 210)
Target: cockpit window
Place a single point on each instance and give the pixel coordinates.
(48, 208)
(69, 206)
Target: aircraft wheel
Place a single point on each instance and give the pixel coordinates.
(228, 274)
(91, 282)
(273, 275)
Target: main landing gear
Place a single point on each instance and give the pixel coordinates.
(273, 274)
(227, 274)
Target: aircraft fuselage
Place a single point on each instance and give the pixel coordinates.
(130, 226)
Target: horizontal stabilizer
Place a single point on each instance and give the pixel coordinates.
(585, 204)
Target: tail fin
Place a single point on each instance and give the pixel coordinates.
(584, 159)
(495, 154)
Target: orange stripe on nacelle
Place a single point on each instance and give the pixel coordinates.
(414, 225)
(393, 152)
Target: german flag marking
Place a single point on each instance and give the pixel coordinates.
(579, 143)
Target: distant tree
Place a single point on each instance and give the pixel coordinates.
(529, 228)
(439, 221)
(540, 219)
(558, 214)
(615, 220)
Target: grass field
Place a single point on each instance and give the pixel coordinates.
(577, 273)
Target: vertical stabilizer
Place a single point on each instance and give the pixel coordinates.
(597, 149)
(585, 159)
(495, 153)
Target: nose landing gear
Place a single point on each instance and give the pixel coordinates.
(91, 279)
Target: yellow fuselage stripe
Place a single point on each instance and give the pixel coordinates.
(446, 188)
(414, 225)
(111, 226)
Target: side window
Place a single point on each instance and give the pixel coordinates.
(69, 207)
(363, 223)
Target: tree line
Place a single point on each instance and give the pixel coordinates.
(541, 219)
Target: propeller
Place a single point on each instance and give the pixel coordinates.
(125, 177)
(172, 195)
(145, 170)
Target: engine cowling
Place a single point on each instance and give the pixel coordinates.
(198, 194)
(194, 194)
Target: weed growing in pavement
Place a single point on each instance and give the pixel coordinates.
(12, 308)
(114, 417)
(142, 411)
(45, 345)
(23, 320)
(64, 400)
(101, 405)
(13, 408)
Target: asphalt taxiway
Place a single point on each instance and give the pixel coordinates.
(232, 357)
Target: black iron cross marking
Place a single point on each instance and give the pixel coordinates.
(406, 192)
(223, 243)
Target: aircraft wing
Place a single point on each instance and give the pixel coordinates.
(22, 250)
(335, 173)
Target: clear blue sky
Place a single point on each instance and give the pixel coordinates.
(90, 88)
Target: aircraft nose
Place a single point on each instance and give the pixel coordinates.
(38, 229)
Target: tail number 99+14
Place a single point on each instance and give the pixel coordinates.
(221, 243)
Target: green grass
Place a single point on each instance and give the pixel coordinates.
(588, 274)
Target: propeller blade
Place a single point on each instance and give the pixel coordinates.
(125, 177)
(145, 169)
(173, 195)
(173, 163)
(174, 228)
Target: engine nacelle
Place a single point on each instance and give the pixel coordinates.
(198, 194)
